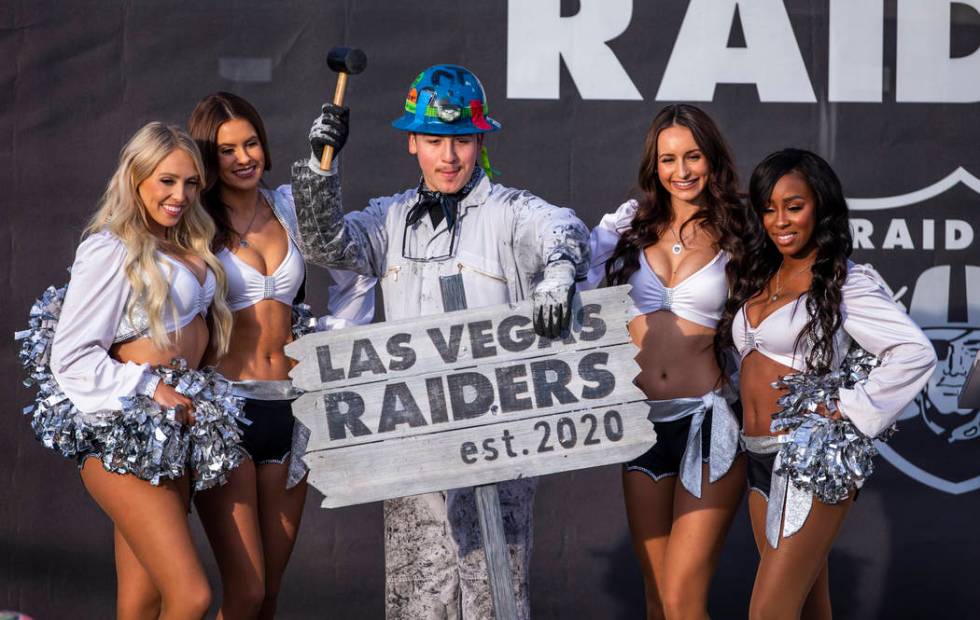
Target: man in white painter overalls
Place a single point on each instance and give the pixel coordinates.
(507, 245)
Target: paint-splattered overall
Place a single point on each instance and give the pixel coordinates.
(435, 564)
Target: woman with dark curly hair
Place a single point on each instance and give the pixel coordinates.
(673, 245)
(797, 304)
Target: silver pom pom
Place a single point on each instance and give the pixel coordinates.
(142, 439)
(211, 447)
(215, 439)
(304, 321)
(52, 414)
(827, 457)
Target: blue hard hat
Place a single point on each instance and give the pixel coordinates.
(446, 100)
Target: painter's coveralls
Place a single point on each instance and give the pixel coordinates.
(434, 558)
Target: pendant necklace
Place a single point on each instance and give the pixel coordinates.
(776, 294)
(678, 247)
(241, 235)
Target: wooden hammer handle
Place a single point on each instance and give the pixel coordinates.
(338, 99)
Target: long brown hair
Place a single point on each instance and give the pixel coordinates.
(213, 111)
(723, 213)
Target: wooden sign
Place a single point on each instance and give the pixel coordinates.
(466, 398)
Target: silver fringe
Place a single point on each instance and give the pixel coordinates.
(142, 439)
(304, 321)
(826, 457)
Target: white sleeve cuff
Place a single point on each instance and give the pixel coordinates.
(147, 384)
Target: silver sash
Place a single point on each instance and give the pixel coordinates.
(297, 468)
(788, 505)
(724, 434)
(265, 390)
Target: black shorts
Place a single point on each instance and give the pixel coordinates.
(664, 458)
(760, 468)
(269, 438)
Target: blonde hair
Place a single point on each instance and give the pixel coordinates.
(122, 212)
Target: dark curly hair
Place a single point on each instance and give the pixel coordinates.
(723, 212)
(209, 114)
(761, 260)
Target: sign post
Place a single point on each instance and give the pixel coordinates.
(469, 398)
(487, 497)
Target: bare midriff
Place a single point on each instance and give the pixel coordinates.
(676, 356)
(258, 337)
(189, 343)
(756, 377)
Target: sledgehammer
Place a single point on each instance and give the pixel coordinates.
(345, 61)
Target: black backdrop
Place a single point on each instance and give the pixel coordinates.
(78, 78)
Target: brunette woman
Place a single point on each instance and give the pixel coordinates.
(252, 522)
(142, 281)
(673, 245)
(797, 305)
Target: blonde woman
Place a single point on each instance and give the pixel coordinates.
(143, 281)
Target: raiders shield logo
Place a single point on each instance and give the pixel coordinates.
(922, 243)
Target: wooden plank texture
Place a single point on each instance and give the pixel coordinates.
(495, 546)
(409, 347)
(479, 396)
(487, 498)
(468, 398)
(469, 457)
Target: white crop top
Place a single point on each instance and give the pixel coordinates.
(247, 286)
(699, 298)
(94, 316)
(873, 320)
(190, 298)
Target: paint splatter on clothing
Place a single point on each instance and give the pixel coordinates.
(501, 242)
(436, 567)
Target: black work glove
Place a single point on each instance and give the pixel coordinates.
(331, 128)
(551, 301)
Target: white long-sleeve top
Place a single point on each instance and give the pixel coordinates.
(94, 316)
(873, 320)
(350, 301)
(603, 239)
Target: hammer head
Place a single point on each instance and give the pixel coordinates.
(346, 60)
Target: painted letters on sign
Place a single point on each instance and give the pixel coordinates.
(466, 398)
